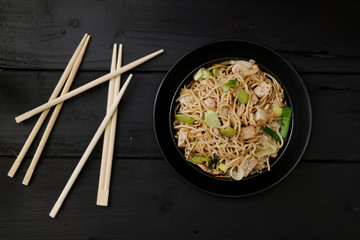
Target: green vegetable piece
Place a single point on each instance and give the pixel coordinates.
(213, 162)
(207, 74)
(229, 84)
(212, 119)
(278, 111)
(199, 159)
(224, 88)
(285, 123)
(272, 133)
(184, 119)
(229, 132)
(215, 71)
(223, 167)
(243, 97)
(199, 74)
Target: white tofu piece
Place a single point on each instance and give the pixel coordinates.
(247, 132)
(263, 89)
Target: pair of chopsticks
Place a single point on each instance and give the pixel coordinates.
(109, 135)
(66, 79)
(85, 87)
(114, 98)
(89, 149)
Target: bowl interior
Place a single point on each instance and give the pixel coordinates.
(187, 79)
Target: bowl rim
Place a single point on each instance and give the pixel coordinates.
(288, 65)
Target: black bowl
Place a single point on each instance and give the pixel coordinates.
(269, 61)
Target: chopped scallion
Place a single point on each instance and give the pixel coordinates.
(199, 159)
(278, 111)
(215, 71)
(223, 167)
(272, 133)
(199, 74)
(229, 84)
(184, 119)
(207, 74)
(212, 119)
(213, 162)
(243, 97)
(229, 131)
(285, 122)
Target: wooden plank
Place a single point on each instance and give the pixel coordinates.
(149, 199)
(335, 105)
(80, 116)
(319, 63)
(43, 34)
(318, 200)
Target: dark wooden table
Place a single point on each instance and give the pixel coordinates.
(320, 199)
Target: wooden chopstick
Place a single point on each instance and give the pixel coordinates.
(112, 133)
(103, 193)
(88, 150)
(107, 130)
(43, 115)
(54, 115)
(85, 87)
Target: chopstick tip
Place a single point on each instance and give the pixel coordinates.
(55, 210)
(17, 119)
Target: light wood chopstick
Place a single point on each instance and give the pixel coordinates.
(107, 130)
(54, 115)
(103, 194)
(85, 87)
(43, 115)
(112, 133)
(88, 150)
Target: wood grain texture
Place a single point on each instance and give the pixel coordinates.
(335, 101)
(318, 200)
(149, 199)
(39, 34)
(82, 115)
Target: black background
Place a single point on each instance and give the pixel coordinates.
(320, 199)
